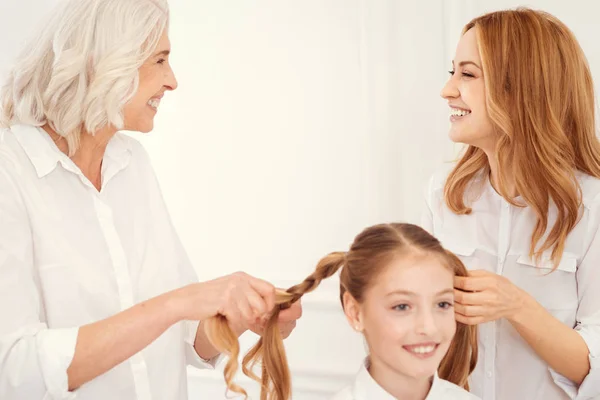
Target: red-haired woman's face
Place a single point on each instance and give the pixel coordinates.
(465, 93)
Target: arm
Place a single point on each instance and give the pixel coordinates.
(562, 348)
(572, 353)
(104, 344)
(36, 361)
(485, 296)
(587, 326)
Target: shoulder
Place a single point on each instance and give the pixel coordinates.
(131, 144)
(437, 180)
(590, 190)
(10, 151)
(139, 159)
(13, 171)
(14, 162)
(434, 188)
(453, 392)
(344, 394)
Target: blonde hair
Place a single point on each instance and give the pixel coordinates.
(540, 99)
(368, 256)
(82, 68)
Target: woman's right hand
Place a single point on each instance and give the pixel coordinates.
(239, 297)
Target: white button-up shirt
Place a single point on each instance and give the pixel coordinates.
(70, 256)
(496, 237)
(365, 387)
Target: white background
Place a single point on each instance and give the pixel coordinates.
(297, 124)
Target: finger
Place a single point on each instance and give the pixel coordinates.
(286, 329)
(245, 310)
(470, 298)
(257, 303)
(480, 273)
(468, 320)
(233, 315)
(469, 311)
(265, 289)
(291, 314)
(471, 284)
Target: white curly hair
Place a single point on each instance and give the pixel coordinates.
(82, 67)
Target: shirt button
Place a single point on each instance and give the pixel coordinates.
(489, 374)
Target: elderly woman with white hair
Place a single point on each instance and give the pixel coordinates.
(98, 299)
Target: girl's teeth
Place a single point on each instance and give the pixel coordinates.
(459, 113)
(423, 349)
(154, 103)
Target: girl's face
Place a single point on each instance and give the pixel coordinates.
(407, 316)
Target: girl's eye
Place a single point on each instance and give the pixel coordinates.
(401, 307)
(445, 305)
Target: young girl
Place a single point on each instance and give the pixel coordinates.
(396, 287)
(522, 206)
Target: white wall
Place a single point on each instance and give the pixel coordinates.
(311, 121)
(296, 124)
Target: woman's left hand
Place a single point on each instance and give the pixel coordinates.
(287, 321)
(484, 296)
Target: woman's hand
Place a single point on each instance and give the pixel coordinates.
(484, 296)
(243, 299)
(286, 321)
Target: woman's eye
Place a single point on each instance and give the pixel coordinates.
(401, 307)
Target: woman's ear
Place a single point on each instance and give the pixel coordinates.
(353, 312)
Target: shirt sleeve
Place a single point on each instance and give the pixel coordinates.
(188, 275)
(588, 312)
(33, 358)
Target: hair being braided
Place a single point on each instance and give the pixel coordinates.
(275, 379)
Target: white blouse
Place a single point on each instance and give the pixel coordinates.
(496, 237)
(70, 256)
(365, 387)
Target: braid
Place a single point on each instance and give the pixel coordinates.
(328, 266)
(269, 351)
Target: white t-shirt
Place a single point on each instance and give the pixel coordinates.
(70, 256)
(365, 387)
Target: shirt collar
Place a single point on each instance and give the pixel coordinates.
(45, 155)
(437, 388)
(366, 388)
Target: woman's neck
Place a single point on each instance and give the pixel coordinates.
(397, 384)
(90, 153)
(495, 177)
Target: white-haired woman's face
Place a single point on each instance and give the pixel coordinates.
(155, 78)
